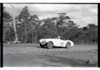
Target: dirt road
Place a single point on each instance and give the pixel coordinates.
(33, 55)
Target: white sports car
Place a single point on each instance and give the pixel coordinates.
(55, 42)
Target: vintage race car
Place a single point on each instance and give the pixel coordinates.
(55, 42)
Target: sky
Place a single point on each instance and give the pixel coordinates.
(81, 14)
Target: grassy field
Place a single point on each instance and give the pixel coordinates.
(33, 55)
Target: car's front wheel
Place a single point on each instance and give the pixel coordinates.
(68, 45)
(50, 45)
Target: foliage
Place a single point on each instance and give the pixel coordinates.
(30, 30)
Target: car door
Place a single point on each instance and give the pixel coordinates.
(58, 42)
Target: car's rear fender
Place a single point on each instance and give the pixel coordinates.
(72, 44)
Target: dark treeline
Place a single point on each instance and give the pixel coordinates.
(30, 28)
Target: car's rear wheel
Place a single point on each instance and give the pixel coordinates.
(68, 45)
(50, 45)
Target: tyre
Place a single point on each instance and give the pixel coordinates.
(68, 45)
(50, 45)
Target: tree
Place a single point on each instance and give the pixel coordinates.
(32, 29)
(65, 21)
(90, 26)
(8, 32)
(24, 14)
(48, 30)
(93, 33)
(66, 26)
(14, 25)
(24, 17)
(6, 14)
